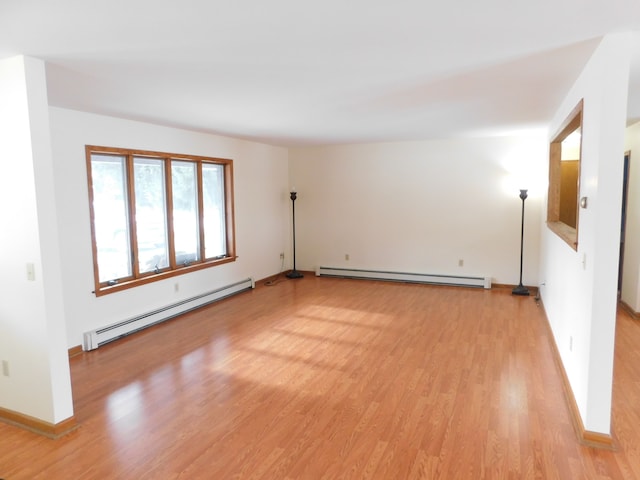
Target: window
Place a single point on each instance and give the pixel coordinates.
(155, 215)
(564, 178)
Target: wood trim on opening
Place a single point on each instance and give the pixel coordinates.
(586, 437)
(74, 351)
(627, 308)
(38, 426)
(567, 233)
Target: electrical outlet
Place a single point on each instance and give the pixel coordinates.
(282, 256)
(346, 256)
(461, 262)
(176, 287)
(5, 368)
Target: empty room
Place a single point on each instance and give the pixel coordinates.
(355, 239)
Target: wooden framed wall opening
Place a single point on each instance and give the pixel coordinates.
(563, 207)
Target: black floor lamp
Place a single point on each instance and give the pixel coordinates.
(294, 273)
(521, 289)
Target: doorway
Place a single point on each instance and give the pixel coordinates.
(623, 219)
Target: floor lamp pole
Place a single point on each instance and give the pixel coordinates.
(294, 273)
(521, 289)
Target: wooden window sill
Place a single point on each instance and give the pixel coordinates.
(565, 232)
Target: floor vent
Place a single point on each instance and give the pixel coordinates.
(435, 279)
(96, 338)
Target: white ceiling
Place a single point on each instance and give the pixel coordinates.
(294, 72)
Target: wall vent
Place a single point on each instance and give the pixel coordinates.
(95, 338)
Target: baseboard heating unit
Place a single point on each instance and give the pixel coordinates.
(95, 338)
(456, 280)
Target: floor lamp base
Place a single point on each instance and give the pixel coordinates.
(520, 290)
(294, 274)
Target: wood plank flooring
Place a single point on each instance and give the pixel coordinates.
(334, 379)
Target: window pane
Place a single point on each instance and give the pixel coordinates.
(111, 217)
(215, 244)
(151, 214)
(185, 212)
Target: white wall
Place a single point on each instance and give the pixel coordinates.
(32, 324)
(261, 214)
(630, 293)
(421, 206)
(580, 289)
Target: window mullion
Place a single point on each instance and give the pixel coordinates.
(170, 226)
(229, 212)
(200, 193)
(133, 233)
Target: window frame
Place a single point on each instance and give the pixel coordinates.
(566, 232)
(137, 278)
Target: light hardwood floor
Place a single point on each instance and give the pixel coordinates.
(328, 378)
